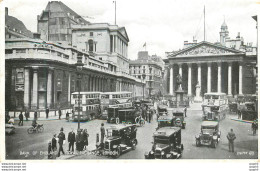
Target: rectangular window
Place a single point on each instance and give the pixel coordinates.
(111, 43)
(91, 34)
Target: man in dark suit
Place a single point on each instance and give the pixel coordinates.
(231, 138)
(71, 140)
(61, 137)
(21, 119)
(47, 112)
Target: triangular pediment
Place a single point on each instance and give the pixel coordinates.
(123, 32)
(205, 48)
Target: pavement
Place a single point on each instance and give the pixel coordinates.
(22, 145)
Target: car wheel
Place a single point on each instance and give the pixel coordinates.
(30, 130)
(40, 129)
(134, 143)
(197, 143)
(119, 151)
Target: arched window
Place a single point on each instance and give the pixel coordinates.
(91, 45)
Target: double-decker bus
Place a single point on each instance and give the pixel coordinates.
(87, 105)
(215, 106)
(114, 100)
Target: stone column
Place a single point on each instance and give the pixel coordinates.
(219, 77)
(230, 79)
(240, 79)
(49, 87)
(189, 79)
(116, 44)
(35, 88)
(180, 69)
(199, 74)
(26, 87)
(209, 78)
(171, 80)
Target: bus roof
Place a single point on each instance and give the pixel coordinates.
(86, 92)
(215, 93)
(121, 92)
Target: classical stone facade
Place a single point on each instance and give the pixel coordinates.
(214, 68)
(41, 73)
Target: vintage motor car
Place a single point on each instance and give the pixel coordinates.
(210, 134)
(9, 129)
(248, 111)
(165, 121)
(112, 114)
(178, 115)
(162, 109)
(167, 144)
(128, 116)
(120, 139)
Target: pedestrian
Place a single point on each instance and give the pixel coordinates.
(231, 137)
(59, 113)
(54, 143)
(254, 127)
(47, 112)
(35, 115)
(185, 111)
(7, 117)
(149, 116)
(102, 130)
(21, 119)
(61, 137)
(78, 140)
(85, 138)
(26, 114)
(49, 150)
(81, 140)
(67, 116)
(71, 140)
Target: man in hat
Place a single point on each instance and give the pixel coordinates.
(102, 130)
(20, 119)
(61, 137)
(231, 137)
(71, 140)
(47, 112)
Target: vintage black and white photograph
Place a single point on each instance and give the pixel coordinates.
(131, 79)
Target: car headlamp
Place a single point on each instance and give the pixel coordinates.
(162, 153)
(151, 152)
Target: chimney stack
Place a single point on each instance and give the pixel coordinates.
(6, 11)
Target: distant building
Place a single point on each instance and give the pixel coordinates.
(106, 42)
(226, 66)
(55, 22)
(150, 69)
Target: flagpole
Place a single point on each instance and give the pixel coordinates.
(204, 24)
(115, 12)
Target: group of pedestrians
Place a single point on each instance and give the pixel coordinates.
(80, 139)
(147, 114)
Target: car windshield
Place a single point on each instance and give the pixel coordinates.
(177, 114)
(112, 132)
(208, 131)
(161, 140)
(164, 123)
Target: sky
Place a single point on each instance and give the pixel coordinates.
(163, 24)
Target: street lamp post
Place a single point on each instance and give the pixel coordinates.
(143, 75)
(79, 67)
